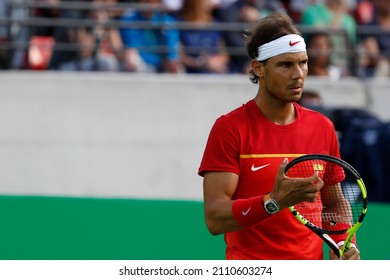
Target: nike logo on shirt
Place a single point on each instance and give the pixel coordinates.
(256, 168)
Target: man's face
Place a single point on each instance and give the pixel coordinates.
(319, 50)
(284, 75)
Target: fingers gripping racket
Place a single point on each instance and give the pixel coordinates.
(341, 205)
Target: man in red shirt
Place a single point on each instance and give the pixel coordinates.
(245, 190)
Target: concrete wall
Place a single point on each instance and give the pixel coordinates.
(123, 135)
(108, 135)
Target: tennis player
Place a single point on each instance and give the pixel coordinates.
(245, 190)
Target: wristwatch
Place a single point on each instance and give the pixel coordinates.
(270, 205)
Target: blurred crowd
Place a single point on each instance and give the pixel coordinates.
(343, 37)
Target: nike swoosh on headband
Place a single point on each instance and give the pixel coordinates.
(293, 43)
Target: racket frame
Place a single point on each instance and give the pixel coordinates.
(324, 234)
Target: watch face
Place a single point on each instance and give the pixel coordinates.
(271, 207)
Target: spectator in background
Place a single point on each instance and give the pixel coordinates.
(334, 15)
(295, 8)
(172, 6)
(34, 41)
(364, 12)
(176, 5)
(4, 14)
(274, 5)
(376, 46)
(106, 42)
(41, 37)
(4, 37)
(66, 40)
(150, 49)
(202, 49)
(98, 48)
(247, 12)
(19, 34)
(312, 99)
(50, 13)
(319, 47)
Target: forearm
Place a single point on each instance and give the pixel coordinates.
(219, 217)
(236, 214)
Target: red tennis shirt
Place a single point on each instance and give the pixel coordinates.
(245, 142)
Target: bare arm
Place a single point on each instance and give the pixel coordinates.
(218, 189)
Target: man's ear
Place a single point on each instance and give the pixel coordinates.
(257, 67)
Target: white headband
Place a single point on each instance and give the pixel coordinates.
(291, 43)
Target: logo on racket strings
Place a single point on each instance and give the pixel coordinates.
(318, 167)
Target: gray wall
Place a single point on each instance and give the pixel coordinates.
(123, 135)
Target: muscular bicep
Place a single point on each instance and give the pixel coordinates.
(219, 186)
(218, 189)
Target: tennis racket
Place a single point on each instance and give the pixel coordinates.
(340, 207)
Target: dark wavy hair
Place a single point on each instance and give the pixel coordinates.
(271, 27)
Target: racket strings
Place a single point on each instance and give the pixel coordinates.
(338, 205)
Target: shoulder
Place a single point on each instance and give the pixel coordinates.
(349, 21)
(239, 111)
(313, 14)
(235, 117)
